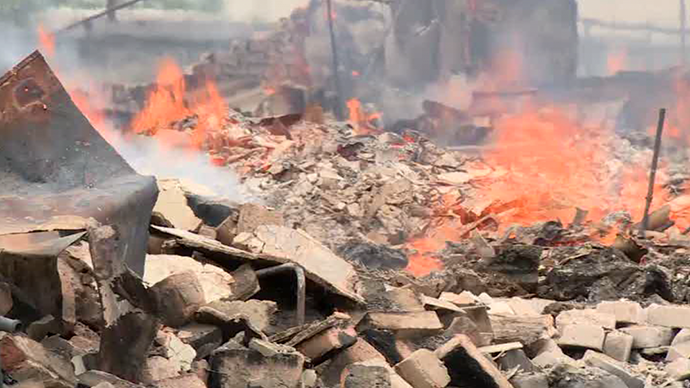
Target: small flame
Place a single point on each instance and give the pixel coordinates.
(362, 121)
(46, 41)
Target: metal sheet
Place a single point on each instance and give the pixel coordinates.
(53, 164)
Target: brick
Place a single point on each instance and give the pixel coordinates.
(585, 317)
(614, 367)
(535, 380)
(583, 336)
(320, 346)
(466, 363)
(669, 316)
(649, 336)
(465, 298)
(624, 311)
(423, 369)
(360, 351)
(178, 297)
(618, 345)
(404, 324)
(261, 365)
(356, 376)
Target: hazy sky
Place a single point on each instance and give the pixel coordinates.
(664, 12)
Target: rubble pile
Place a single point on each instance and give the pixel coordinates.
(363, 259)
(305, 286)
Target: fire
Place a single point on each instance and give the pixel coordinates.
(46, 40)
(362, 120)
(170, 102)
(551, 168)
(616, 61)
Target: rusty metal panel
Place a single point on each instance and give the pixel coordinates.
(54, 164)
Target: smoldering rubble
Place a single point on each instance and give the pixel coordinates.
(365, 257)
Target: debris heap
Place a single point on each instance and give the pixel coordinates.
(312, 283)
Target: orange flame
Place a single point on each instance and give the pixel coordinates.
(170, 102)
(46, 41)
(362, 121)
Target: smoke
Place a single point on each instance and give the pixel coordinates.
(149, 157)
(263, 11)
(17, 44)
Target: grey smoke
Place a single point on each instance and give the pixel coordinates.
(148, 157)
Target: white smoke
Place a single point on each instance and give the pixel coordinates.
(149, 157)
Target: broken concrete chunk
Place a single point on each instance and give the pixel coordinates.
(528, 330)
(326, 267)
(415, 324)
(466, 364)
(583, 336)
(259, 312)
(262, 365)
(649, 336)
(463, 299)
(215, 281)
(439, 304)
(357, 375)
(614, 367)
(396, 380)
(6, 302)
(360, 351)
(175, 350)
(203, 338)
(423, 369)
(618, 345)
(247, 241)
(159, 368)
(178, 297)
(172, 205)
(26, 359)
(45, 326)
(586, 317)
(245, 283)
(669, 316)
(252, 216)
(624, 311)
(403, 299)
(319, 347)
